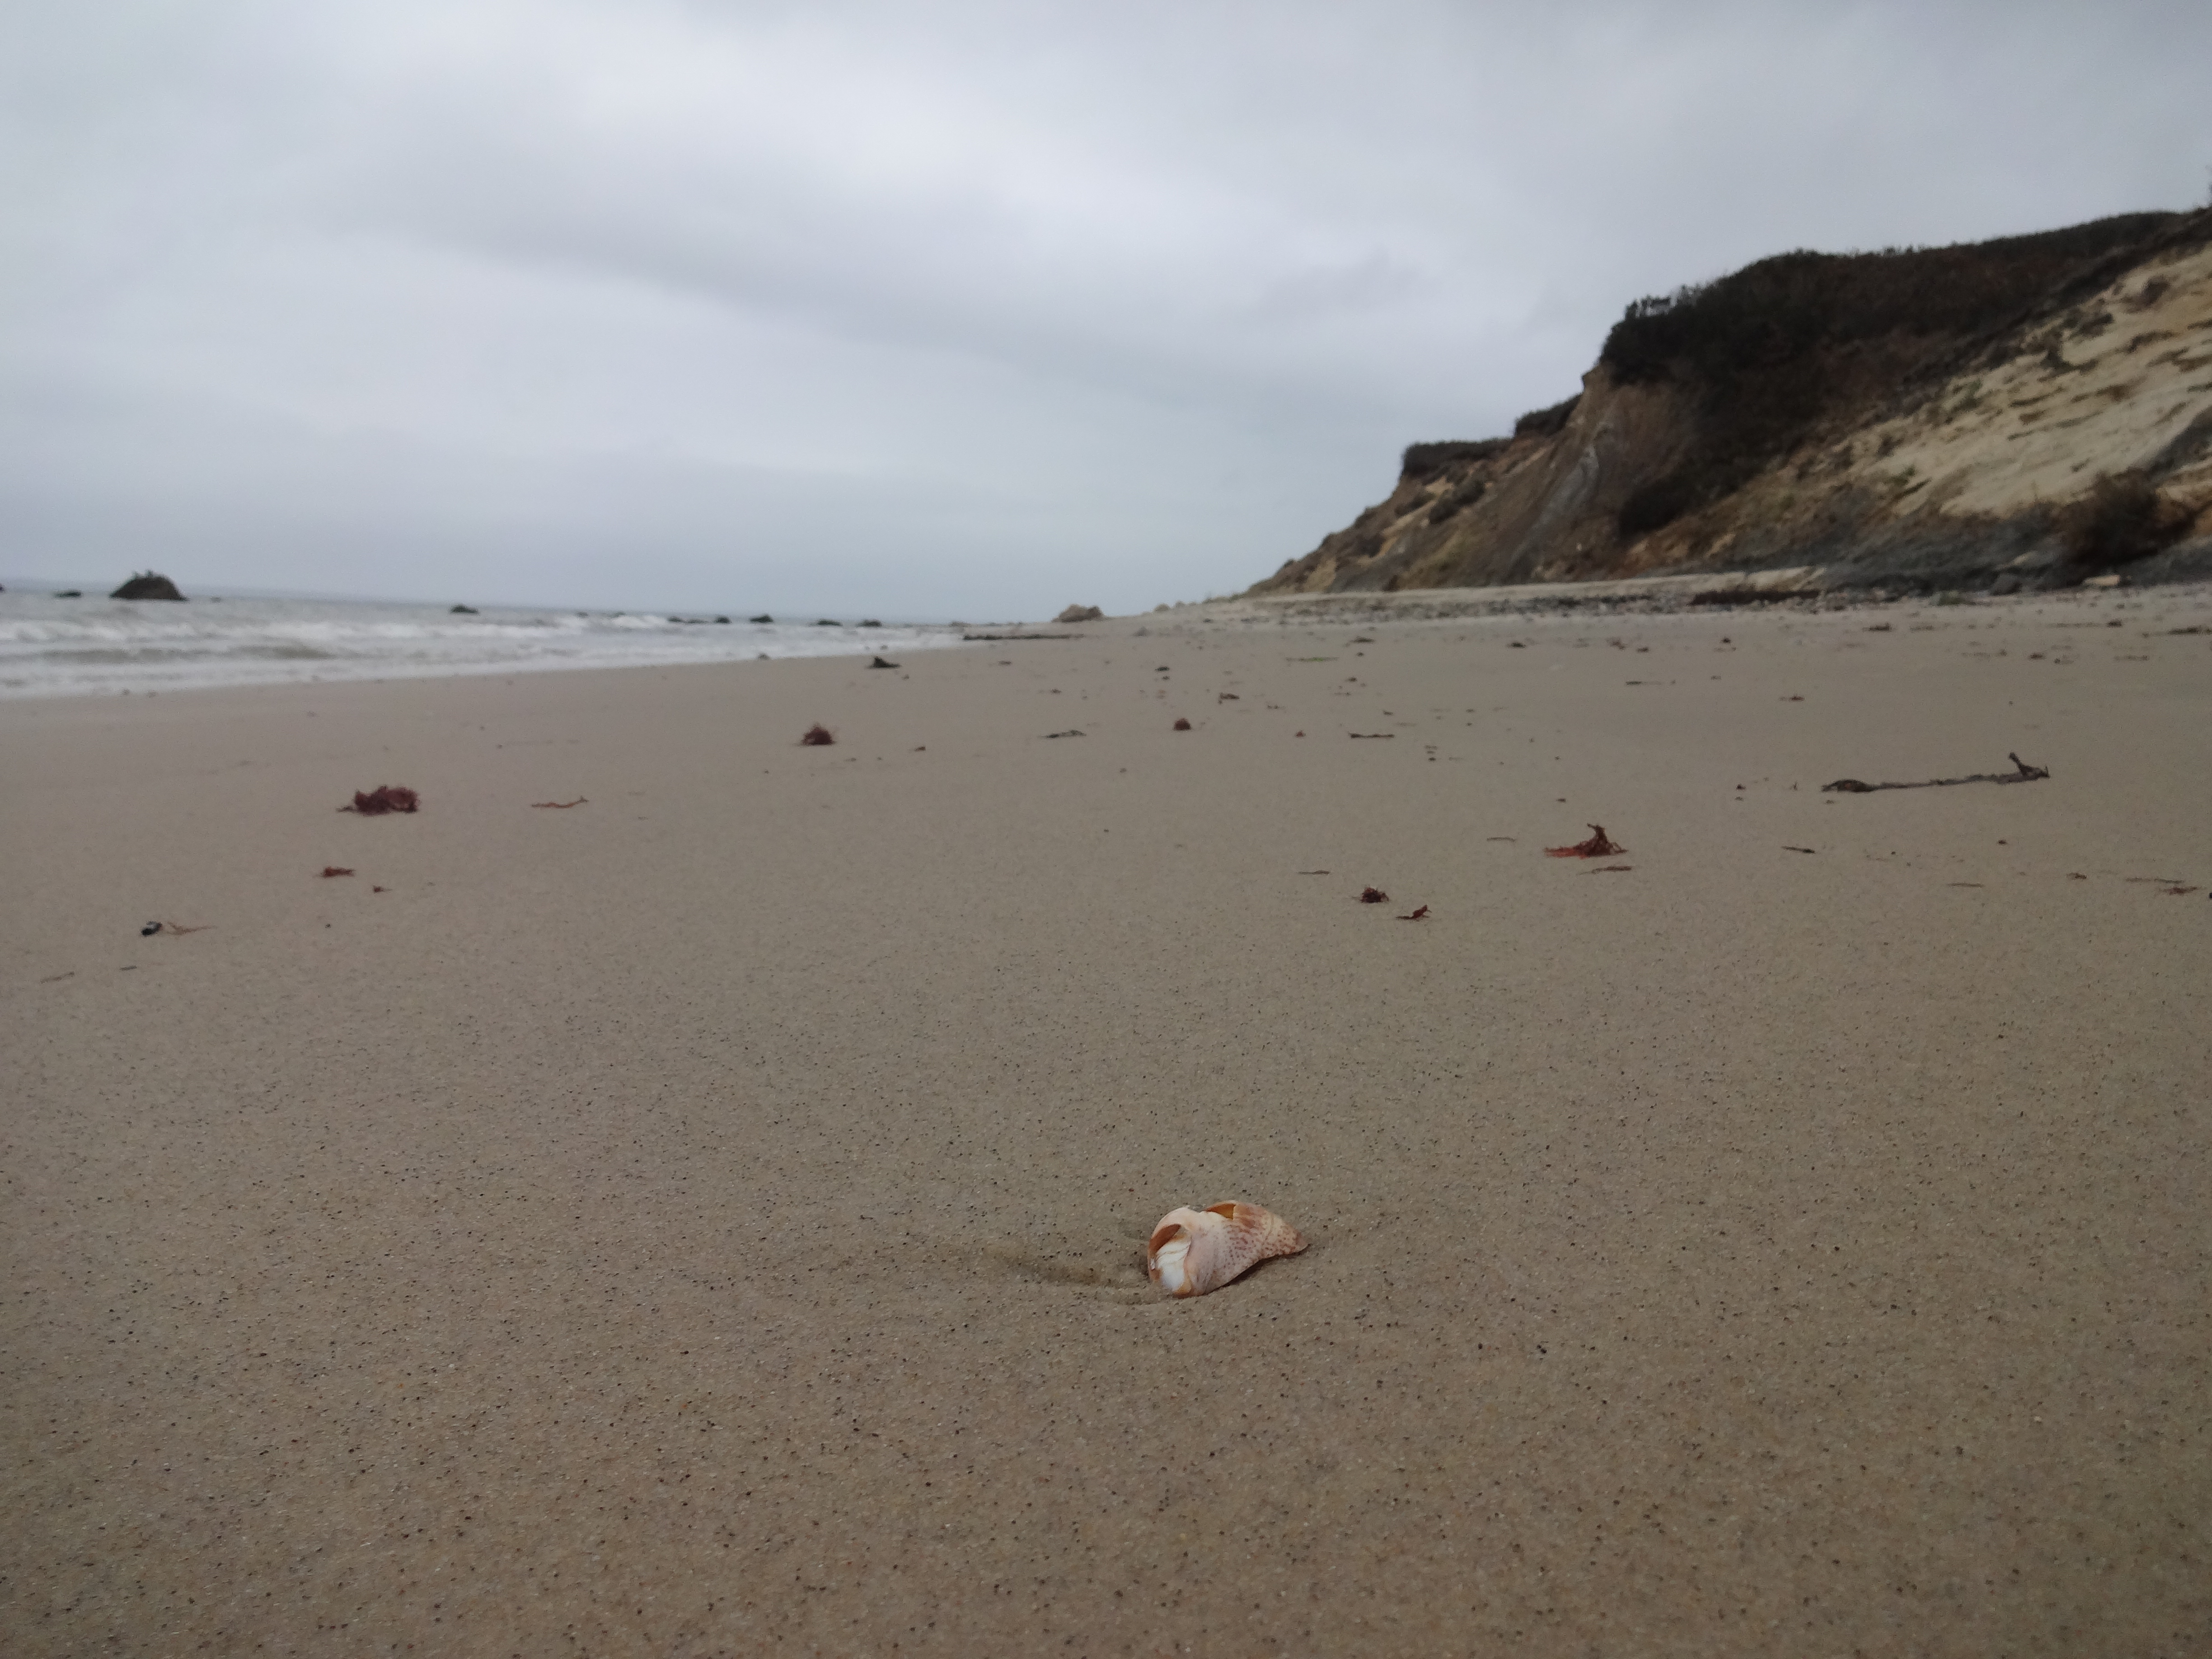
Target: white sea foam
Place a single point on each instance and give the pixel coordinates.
(53, 646)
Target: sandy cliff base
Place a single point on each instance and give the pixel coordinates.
(707, 1219)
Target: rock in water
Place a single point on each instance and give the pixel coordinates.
(147, 586)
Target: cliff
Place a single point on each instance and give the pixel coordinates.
(2020, 412)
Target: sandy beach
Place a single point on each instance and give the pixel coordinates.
(708, 1218)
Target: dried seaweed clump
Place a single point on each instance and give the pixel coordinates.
(384, 798)
(818, 736)
(1597, 847)
(1181, 724)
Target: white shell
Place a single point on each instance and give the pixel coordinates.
(1193, 1251)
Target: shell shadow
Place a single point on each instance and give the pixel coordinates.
(1096, 1275)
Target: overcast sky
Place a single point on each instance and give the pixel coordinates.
(926, 310)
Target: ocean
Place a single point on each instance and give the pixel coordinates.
(53, 647)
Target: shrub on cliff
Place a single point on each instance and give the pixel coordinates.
(2121, 518)
(1655, 504)
(1458, 501)
(1426, 460)
(1545, 423)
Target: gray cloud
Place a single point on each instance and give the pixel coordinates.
(967, 308)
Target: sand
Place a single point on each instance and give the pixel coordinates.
(707, 1219)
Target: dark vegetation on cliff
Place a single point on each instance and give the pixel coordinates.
(1426, 460)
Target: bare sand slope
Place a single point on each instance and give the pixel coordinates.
(707, 1219)
(2121, 381)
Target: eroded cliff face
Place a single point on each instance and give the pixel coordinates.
(1863, 414)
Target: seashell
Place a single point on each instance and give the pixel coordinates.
(1193, 1251)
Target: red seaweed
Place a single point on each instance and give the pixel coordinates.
(1373, 896)
(330, 870)
(818, 736)
(1597, 847)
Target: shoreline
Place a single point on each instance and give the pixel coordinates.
(1793, 590)
(52, 647)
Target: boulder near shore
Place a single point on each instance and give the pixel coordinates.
(146, 585)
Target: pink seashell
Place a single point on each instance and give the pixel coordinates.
(1194, 1251)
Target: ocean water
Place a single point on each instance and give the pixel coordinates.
(52, 647)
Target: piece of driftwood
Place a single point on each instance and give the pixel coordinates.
(563, 805)
(2025, 773)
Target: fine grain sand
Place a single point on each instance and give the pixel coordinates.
(707, 1219)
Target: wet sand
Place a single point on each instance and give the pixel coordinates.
(707, 1219)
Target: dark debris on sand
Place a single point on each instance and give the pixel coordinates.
(384, 798)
